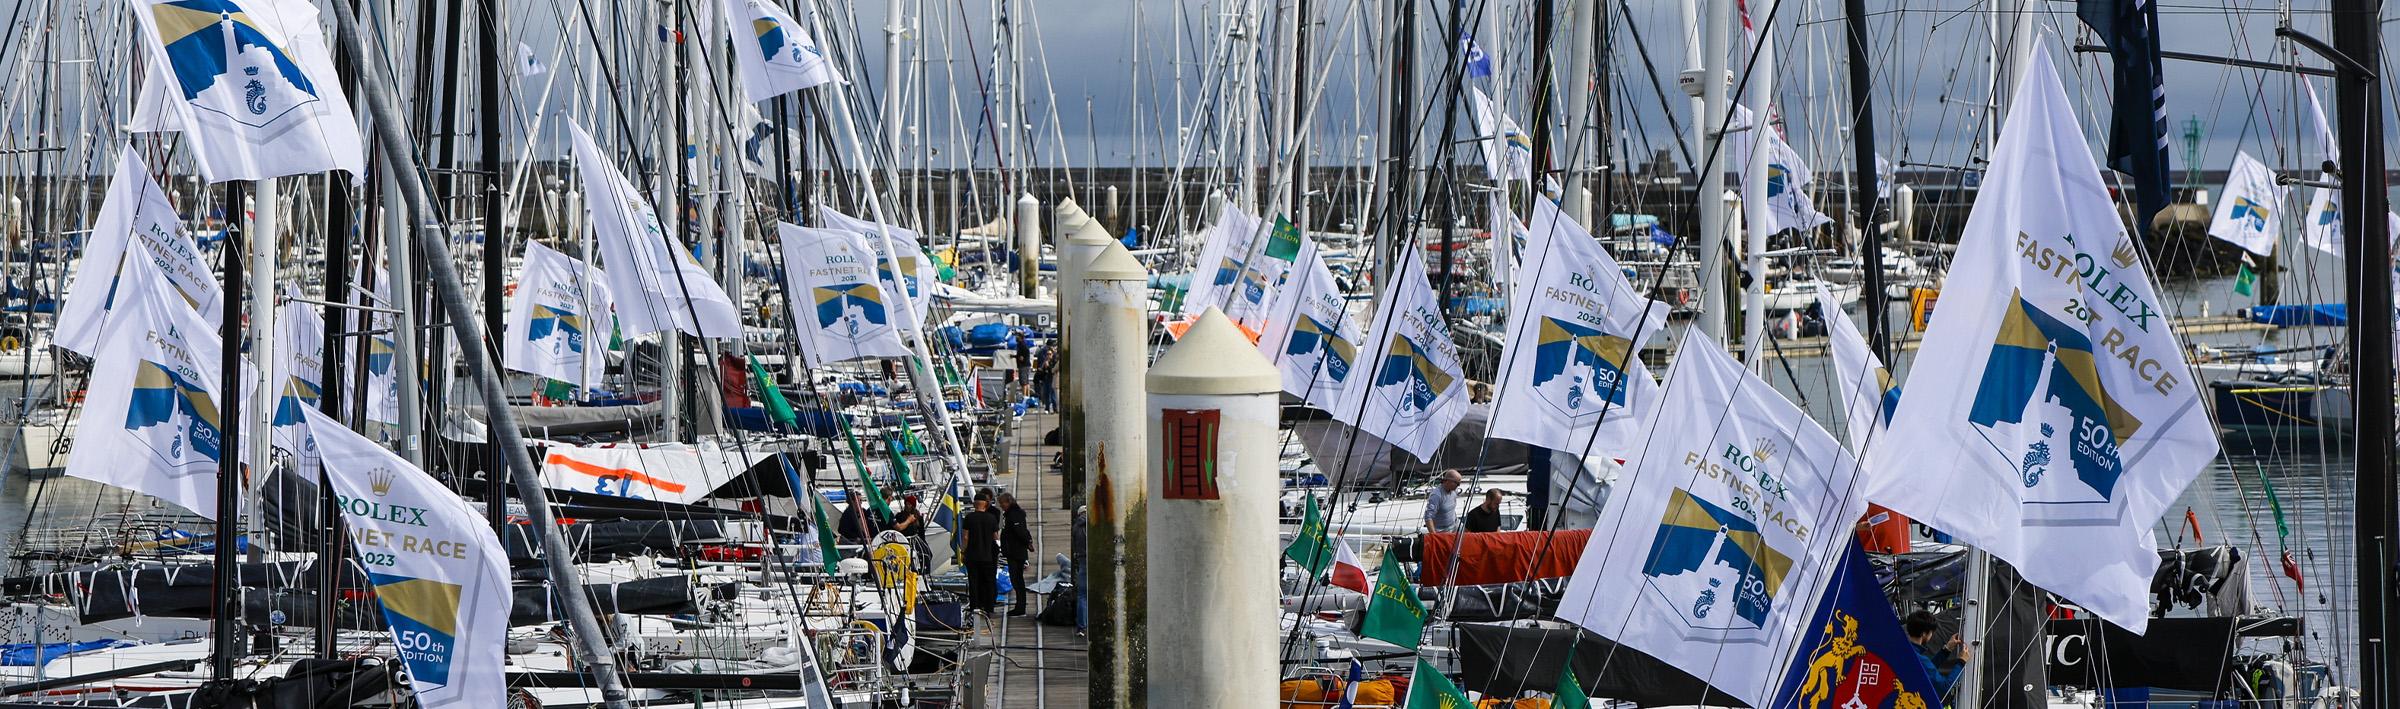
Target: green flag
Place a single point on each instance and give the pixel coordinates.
(776, 407)
(1284, 242)
(825, 538)
(1394, 615)
(900, 475)
(2281, 530)
(858, 456)
(942, 269)
(1428, 689)
(558, 390)
(908, 438)
(2244, 278)
(1309, 548)
(1570, 691)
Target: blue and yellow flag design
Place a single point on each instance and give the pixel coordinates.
(297, 393)
(2038, 360)
(1406, 364)
(1562, 343)
(1313, 336)
(160, 396)
(549, 319)
(207, 39)
(834, 302)
(1698, 537)
(424, 618)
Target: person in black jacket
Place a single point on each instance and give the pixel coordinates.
(979, 551)
(1485, 517)
(856, 526)
(1016, 545)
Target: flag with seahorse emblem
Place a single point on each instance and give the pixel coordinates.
(150, 420)
(1856, 655)
(133, 209)
(657, 284)
(250, 85)
(1729, 521)
(2062, 421)
(772, 52)
(904, 268)
(1411, 391)
(559, 318)
(1785, 189)
(1573, 378)
(438, 569)
(1310, 336)
(839, 304)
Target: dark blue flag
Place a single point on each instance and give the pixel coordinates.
(2137, 135)
(1854, 653)
(1659, 236)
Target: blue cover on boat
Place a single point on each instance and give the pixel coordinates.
(2310, 315)
(30, 654)
(990, 335)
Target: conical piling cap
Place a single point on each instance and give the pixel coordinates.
(1078, 225)
(1214, 357)
(1115, 263)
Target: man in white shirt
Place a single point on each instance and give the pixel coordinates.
(1441, 505)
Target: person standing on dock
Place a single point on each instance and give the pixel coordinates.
(1016, 546)
(1441, 504)
(980, 552)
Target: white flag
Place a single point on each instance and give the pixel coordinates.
(1725, 532)
(134, 207)
(2059, 424)
(250, 85)
(1572, 377)
(438, 569)
(1413, 391)
(1507, 151)
(1310, 336)
(1868, 394)
(1786, 188)
(558, 319)
(382, 360)
(837, 301)
(150, 415)
(1508, 236)
(908, 251)
(1223, 258)
(775, 53)
(298, 376)
(528, 65)
(2250, 214)
(657, 283)
(2321, 225)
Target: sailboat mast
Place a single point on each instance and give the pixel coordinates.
(225, 625)
(2358, 99)
(1713, 18)
(1866, 189)
(1758, 221)
(495, 240)
(1456, 72)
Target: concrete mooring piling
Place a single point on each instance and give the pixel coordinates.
(1211, 515)
(1029, 247)
(1112, 345)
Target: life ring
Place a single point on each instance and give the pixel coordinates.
(10, 343)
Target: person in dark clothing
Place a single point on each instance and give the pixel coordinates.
(979, 551)
(856, 527)
(1485, 517)
(909, 520)
(1016, 545)
(1941, 666)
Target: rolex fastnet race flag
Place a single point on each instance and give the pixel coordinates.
(775, 53)
(657, 283)
(1868, 394)
(558, 319)
(298, 375)
(1572, 377)
(1507, 151)
(2250, 214)
(1735, 512)
(916, 275)
(838, 301)
(439, 571)
(150, 415)
(249, 84)
(1412, 391)
(134, 208)
(1224, 251)
(2060, 424)
(1310, 336)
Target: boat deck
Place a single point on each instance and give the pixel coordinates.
(1038, 666)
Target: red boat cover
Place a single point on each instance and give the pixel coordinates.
(1503, 557)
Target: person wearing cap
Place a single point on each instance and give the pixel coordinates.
(1441, 504)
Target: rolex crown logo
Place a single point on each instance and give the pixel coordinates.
(2124, 255)
(380, 480)
(1766, 449)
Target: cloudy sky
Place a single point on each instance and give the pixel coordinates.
(1095, 70)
